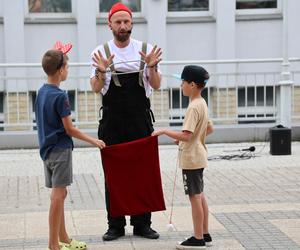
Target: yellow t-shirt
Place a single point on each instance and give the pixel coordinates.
(193, 154)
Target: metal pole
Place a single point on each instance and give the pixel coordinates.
(285, 98)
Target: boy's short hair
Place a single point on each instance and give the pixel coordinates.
(53, 60)
(196, 74)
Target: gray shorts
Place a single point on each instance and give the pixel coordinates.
(58, 168)
(192, 181)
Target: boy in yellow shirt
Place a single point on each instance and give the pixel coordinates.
(193, 153)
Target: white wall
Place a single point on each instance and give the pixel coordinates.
(1, 55)
(1, 8)
(259, 39)
(1, 43)
(39, 38)
(191, 41)
(294, 22)
(104, 33)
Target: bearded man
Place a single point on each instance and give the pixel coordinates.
(125, 71)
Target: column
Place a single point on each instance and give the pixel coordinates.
(14, 45)
(225, 33)
(285, 99)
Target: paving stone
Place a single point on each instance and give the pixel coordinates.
(252, 202)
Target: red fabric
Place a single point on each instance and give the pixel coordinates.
(118, 7)
(63, 48)
(132, 175)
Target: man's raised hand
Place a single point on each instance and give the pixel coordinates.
(100, 62)
(153, 58)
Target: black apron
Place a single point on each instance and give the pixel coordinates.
(126, 116)
(126, 113)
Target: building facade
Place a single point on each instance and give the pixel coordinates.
(242, 43)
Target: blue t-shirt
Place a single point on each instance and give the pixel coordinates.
(52, 104)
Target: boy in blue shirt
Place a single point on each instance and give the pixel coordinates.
(55, 132)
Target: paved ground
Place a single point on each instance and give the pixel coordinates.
(254, 203)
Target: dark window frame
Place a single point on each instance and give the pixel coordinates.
(108, 3)
(1, 102)
(182, 6)
(50, 6)
(252, 4)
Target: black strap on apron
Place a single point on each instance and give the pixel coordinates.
(151, 115)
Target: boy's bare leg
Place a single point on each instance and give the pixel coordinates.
(206, 214)
(197, 214)
(55, 213)
(63, 235)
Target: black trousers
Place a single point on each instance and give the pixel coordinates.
(141, 220)
(119, 128)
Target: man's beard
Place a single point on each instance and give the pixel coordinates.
(121, 36)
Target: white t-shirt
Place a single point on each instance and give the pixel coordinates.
(121, 61)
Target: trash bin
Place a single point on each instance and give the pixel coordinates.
(280, 140)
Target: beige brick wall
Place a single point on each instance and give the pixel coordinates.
(226, 107)
(17, 111)
(296, 103)
(160, 106)
(88, 105)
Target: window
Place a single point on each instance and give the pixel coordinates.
(1, 110)
(175, 99)
(134, 5)
(1, 102)
(32, 96)
(204, 94)
(256, 4)
(256, 104)
(262, 98)
(54, 6)
(33, 99)
(188, 5)
(71, 96)
(179, 104)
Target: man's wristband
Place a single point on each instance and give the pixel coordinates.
(99, 74)
(153, 67)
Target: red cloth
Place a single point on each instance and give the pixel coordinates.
(132, 175)
(118, 7)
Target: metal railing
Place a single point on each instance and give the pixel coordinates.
(239, 91)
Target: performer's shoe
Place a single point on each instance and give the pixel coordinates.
(191, 243)
(208, 240)
(146, 232)
(113, 234)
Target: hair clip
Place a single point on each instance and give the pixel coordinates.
(64, 48)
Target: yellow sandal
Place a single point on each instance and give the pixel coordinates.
(62, 247)
(74, 245)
